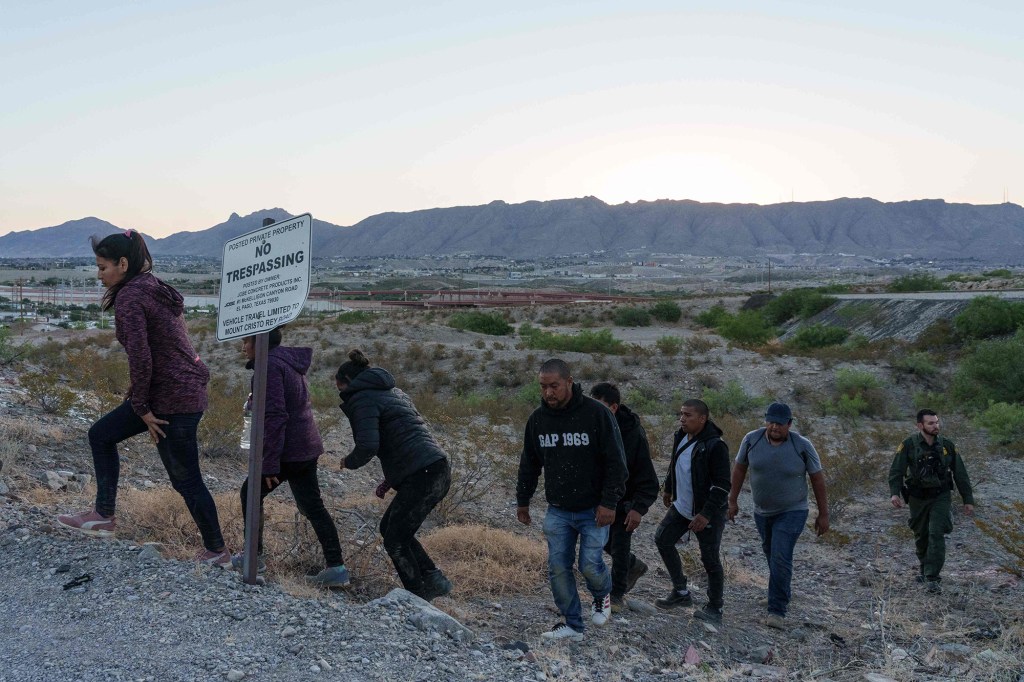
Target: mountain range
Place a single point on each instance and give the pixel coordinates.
(866, 227)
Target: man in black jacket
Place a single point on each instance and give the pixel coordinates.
(696, 490)
(575, 441)
(641, 491)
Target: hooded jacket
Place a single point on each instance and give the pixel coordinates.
(642, 484)
(709, 470)
(290, 433)
(386, 424)
(167, 376)
(579, 448)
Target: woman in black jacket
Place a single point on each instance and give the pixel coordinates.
(386, 424)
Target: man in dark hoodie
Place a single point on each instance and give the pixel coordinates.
(696, 491)
(641, 491)
(575, 441)
(291, 448)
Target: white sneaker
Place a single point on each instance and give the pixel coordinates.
(601, 609)
(563, 631)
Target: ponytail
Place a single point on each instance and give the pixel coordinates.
(128, 244)
(348, 371)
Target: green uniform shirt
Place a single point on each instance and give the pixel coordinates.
(911, 452)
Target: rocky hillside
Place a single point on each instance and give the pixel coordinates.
(866, 227)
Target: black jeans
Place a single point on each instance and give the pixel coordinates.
(179, 452)
(305, 486)
(619, 548)
(417, 495)
(673, 527)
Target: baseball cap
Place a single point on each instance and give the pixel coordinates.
(779, 413)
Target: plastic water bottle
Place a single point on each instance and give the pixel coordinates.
(246, 424)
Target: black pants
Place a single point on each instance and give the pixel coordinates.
(302, 479)
(415, 497)
(619, 548)
(673, 527)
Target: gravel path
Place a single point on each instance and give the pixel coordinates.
(141, 617)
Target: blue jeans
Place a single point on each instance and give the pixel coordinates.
(779, 533)
(562, 529)
(179, 452)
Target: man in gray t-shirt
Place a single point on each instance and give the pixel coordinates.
(780, 461)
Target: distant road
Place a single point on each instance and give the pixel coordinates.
(935, 295)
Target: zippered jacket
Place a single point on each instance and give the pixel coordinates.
(385, 424)
(290, 433)
(709, 470)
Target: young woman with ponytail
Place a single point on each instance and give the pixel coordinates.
(167, 396)
(385, 424)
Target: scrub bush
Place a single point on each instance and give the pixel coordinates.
(482, 323)
(666, 311)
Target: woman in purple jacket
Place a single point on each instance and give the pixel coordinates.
(167, 395)
(291, 448)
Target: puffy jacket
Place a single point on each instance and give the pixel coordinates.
(167, 376)
(386, 424)
(290, 433)
(579, 448)
(642, 484)
(709, 470)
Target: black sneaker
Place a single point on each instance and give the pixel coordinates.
(709, 614)
(636, 571)
(675, 599)
(933, 586)
(435, 584)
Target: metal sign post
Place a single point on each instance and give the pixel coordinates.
(265, 278)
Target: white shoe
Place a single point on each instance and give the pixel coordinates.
(601, 609)
(563, 631)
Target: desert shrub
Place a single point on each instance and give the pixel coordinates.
(700, 343)
(1008, 531)
(988, 316)
(817, 336)
(488, 562)
(632, 317)
(221, 424)
(746, 327)
(9, 351)
(712, 317)
(860, 464)
(482, 323)
(796, 303)
(730, 399)
(917, 363)
(586, 341)
(858, 393)
(643, 399)
(529, 394)
(1004, 422)
(1002, 273)
(918, 281)
(851, 381)
(354, 317)
(666, 311)
(48, 390)
(324, 398)
(992, 372)
(939, 335)
(669, 345)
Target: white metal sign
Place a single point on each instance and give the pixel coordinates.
(265, 277)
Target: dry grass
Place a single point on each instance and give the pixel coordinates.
(488, 562)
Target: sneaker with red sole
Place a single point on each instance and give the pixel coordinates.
(221, 559)
(89, 522)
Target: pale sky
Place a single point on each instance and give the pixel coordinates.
(170, 115)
